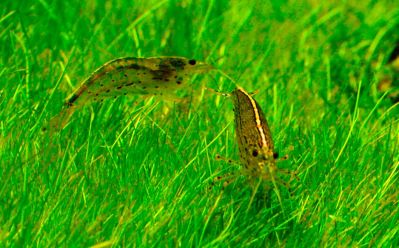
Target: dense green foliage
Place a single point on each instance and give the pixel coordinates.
(137, 171)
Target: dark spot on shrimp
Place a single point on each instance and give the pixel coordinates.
(129, 84)
(178, 82)
(108, 90)
(119, 87)
(164, 71)
(177, 63)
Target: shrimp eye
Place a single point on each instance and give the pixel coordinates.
(254, 153)
(192, 62)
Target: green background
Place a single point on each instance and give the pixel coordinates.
(138, 171)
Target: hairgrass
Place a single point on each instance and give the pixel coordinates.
(136, 171)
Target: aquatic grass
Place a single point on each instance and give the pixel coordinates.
(137, 171)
